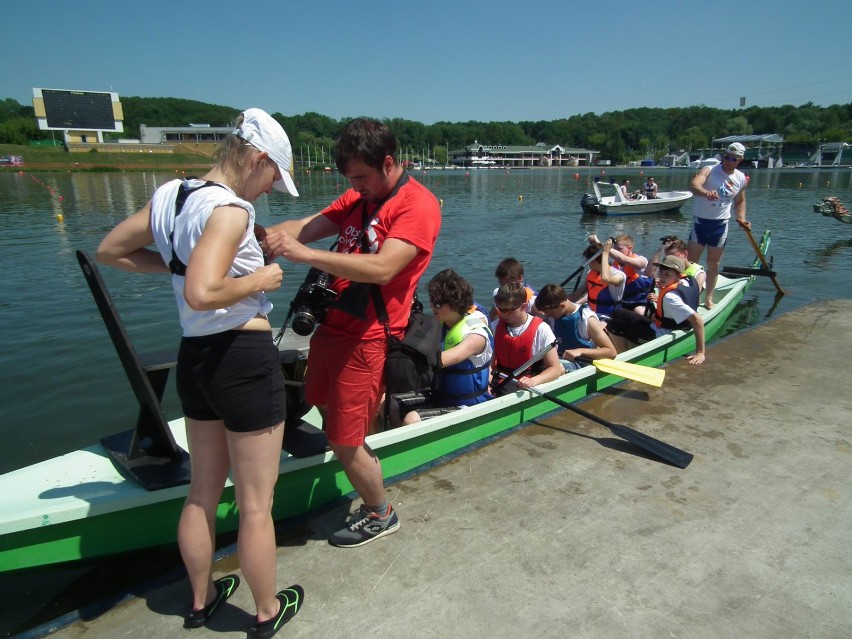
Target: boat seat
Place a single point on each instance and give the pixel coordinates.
(148, 453)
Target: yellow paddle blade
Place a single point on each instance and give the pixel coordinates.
(636, 372)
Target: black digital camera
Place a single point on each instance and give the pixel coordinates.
(311, 302)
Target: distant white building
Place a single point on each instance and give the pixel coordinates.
(183, 134)
(478, 155)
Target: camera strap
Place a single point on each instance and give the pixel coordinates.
(375, 289)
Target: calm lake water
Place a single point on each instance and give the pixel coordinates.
(62, 384)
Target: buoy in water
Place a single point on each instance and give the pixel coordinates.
(441, 202)
(520, 198)
(59, 217)
(576, 176)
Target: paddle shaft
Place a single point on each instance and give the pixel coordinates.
(664, 451)
(520, 370)
(580, 270)
(762, 259)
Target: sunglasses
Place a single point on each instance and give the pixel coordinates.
(547, 308)
(731, 158)
(507, 310)
(436, 303)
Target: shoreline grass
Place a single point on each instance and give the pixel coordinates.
(58, 159)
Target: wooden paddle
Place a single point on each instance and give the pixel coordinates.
(636, 372)
(762, 259)
(664, 451)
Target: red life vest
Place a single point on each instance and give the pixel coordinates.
(510, 352)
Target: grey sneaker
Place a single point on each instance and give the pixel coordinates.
(364, 526)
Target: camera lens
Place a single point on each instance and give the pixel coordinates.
(304, 323)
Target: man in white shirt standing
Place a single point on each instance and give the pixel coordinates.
(716, 189)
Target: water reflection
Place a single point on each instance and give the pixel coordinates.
(62, 386)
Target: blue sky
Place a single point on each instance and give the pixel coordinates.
(451, 60)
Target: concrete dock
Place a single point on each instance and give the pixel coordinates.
(563, 530)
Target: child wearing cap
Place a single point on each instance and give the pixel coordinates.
(676, 307)
(717, 189)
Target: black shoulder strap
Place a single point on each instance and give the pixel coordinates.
(175, 265)
(367, 220)
(375, 289)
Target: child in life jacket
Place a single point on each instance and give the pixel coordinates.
(579, 330)
(604, 286)
(676, 308)
(467, 347)
(518, 338)
(511, 270)
(638, 284)
(672, 245)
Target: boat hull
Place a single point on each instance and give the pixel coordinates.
(665, 203)
(78, 507)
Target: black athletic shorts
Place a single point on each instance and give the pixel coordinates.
(234, 376)
(630, 325)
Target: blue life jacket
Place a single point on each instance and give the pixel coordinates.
(636, 291)
(567, 329)
(463, 384)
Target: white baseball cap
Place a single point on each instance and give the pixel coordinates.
(264, 133)
(736, 148)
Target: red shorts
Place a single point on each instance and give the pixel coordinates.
(345, 375)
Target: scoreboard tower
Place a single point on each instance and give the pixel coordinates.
(82, 116)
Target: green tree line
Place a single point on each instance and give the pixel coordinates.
(618, 135)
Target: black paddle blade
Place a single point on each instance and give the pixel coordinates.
(664, 451)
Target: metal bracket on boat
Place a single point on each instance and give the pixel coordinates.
(148, 453)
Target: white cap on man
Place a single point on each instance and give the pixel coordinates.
(736, 149)
(264, 133)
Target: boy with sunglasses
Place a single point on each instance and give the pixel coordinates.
(467, 346)
(518, 337)
(717, 189)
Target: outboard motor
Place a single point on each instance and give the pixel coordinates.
(589, 204)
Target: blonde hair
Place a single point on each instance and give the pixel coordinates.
(232, 156)
(624, 239)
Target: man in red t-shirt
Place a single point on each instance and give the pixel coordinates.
(386, 227)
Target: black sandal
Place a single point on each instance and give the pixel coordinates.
(291, 602)
(225, 587)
